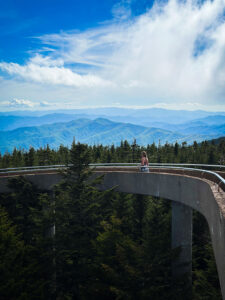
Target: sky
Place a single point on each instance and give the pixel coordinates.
(109, 53)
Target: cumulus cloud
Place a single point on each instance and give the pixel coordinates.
(159, 53)
(175, 52)
(46, 71)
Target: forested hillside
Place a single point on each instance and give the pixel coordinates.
(92, 132)
(106, 245)
(56, 129)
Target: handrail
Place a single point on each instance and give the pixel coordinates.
(33, 167)
(115, 164)
(162, 164)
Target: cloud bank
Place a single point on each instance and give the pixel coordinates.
(174, 53)
(24, 104)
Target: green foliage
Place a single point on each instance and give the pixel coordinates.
(133, 266)
(205, 277)
(31, 214)
(12, 252)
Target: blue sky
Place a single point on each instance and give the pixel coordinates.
(130, 53)
(20, 20)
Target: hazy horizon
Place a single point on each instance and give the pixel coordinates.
(107, 107)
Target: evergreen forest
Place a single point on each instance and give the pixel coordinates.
(206, 152)
(81, 243)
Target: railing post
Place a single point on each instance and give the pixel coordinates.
(182, 239)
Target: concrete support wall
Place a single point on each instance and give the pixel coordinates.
(182, 238)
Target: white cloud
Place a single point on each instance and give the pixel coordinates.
(45, 104)
(174, 53)
(44, 71)
(121, 10)
(19, 103)
(16, 103)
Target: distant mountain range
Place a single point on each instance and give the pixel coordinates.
(194, 126)
(152, 117)
(88, 126)
(98, 131)
(130, 115)
(14, 122)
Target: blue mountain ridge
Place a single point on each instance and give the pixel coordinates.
(120, 114)
(98, 131)
(159, 118)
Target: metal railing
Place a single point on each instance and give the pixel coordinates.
(222, 167)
